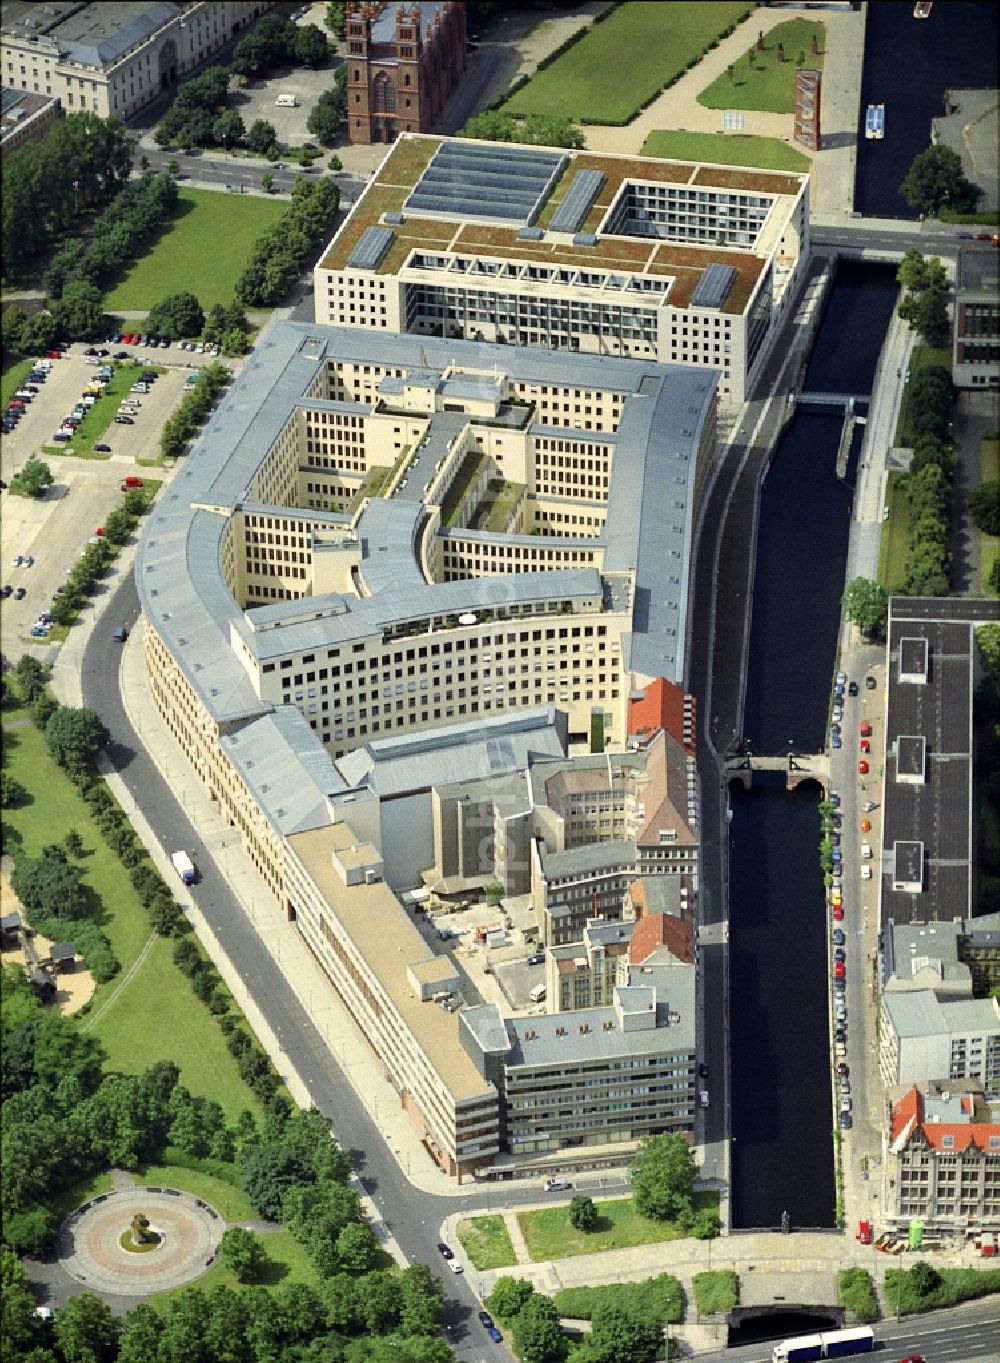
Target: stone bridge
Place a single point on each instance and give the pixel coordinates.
(798, 767)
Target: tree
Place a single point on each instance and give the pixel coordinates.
(266, 182)
(229, 129)
(261, 137)
(73, 844)
(242, 1253)
(335, 18)
(11, 791)
(917, 272)
(706, 1225)
(74, 737)
(538, 1337)
(357, 1248)
(19, 1326)
(310, 46)
(663, 1174)
(78, 313)
(32, 1231)
(49, 886)
(622, 1336)
(924, 1277)
(33, 479)
(335, 163)
(87, 1330)
(176, 316)
(269, 1173)
(930, 317)
(935, 180)
(381, 1303)
(498, 125)
(583, 1213)
(866, 605)
(30, 677)
(325, 117)
(422, 1301)
(984, 506)
(508, 1296)
(142, 1329)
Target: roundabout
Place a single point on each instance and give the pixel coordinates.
(140, 1240)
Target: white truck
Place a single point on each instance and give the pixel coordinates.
(184, 867)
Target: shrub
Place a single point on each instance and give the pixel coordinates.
(857, 1293)
(716, 1292)
(656, 1298)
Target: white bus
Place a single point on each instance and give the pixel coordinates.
(829, 1344)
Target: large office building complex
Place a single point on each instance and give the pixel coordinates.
(676, 262)
(392, 567)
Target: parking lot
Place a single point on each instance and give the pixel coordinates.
(54, 529)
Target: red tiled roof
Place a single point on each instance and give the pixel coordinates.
(908, 1117)
(661, 706)
(662, 930)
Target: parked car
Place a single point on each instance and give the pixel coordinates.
(869, 805)
(38, 632)
(840, 970)
(852, 690)
(870, 683)
(865, 746)
(838, 912)
(485, 1319)
(839, 937)
(495, 1335)
(862, 768)
(6, 590)
(124, 421)
(102, 448)
(455, 1266)
(843, 1070)
(20, 594)
(557, 1185)
(846, 1121)
(444, 1251)
(840, 956)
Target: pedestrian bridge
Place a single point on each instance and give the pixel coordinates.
(846, 400)
(798, 767)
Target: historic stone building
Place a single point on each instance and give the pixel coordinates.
(402, 66)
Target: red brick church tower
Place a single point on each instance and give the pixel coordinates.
(401, 70)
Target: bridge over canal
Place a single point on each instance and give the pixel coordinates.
(798, 767)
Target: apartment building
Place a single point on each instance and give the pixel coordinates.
(114, 58)
(953, 959)
(941, 1162)
(678, 262)
(923, 1038)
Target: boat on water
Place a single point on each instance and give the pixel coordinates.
(875, 122)
(922, 9)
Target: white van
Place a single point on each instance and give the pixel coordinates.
(866, 851)
(287, 101)
(537, 994)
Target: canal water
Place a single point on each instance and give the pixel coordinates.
(909, 64)
(780, 1044)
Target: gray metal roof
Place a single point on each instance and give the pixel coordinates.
(384, 28)
(578, 200)
(95, 35)
(288, 772)
(559, 1038)
(591, 858)
(388, 534)
(456, 754)
(921, 1013)
(495, 182)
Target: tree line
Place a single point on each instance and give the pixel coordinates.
(279, 253)
(81, 164)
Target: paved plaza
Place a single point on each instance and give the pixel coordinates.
(90, 1247)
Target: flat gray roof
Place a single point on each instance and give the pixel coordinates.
(592, 857)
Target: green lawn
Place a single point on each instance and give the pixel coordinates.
(715, 1292)
(759, 80)
(231, 1203)
(895, 535)
(287, 1262)
(14, 375)
(726, 149)
(156, 1017)
(51, 808)
(202, 250)
(486, 1241)
(549, 1235)
(586, 83)
(94, 425)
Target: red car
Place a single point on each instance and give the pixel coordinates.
(862, 768)
(866, 747)
(838, 912)
(839, 970)
(53, 354)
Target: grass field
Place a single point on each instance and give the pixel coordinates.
(486, 1241)
(229, 1202)
(726, 149)
(13, 376)
(201, 250)
(662, 41)
(759, 80)
(184, 1031)
(895, 535)
(716, 1292)
(95, 424)
(549, 1235)
(154, 1016)
(287, 1262)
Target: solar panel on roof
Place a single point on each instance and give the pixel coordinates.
(578, 200)
(498, 183)
(371, 247)
(713, 286)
